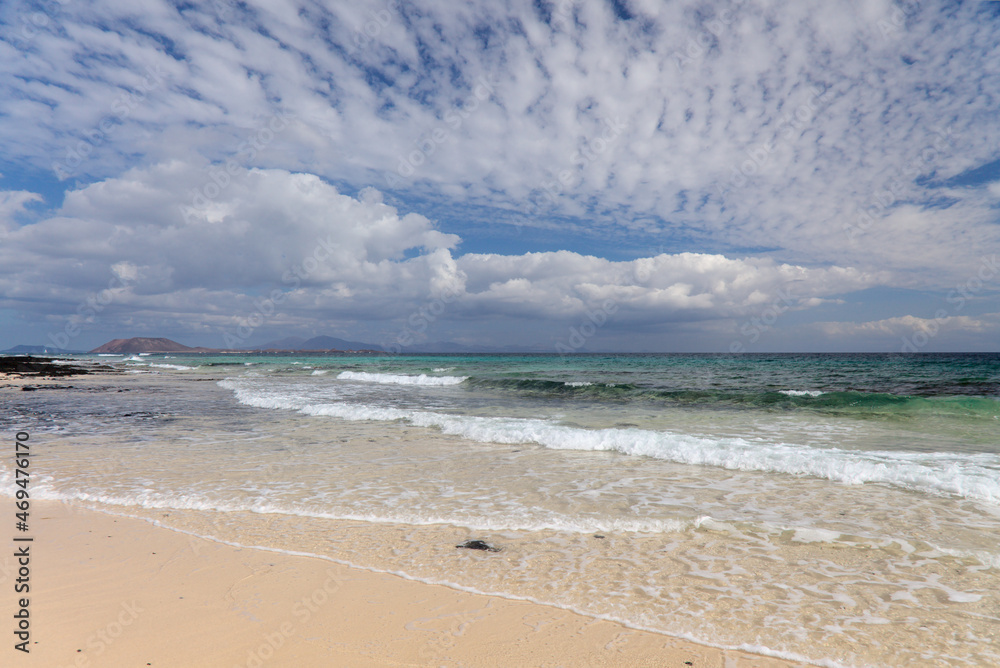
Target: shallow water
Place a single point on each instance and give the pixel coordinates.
(861, 531)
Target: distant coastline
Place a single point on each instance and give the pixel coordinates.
(326, 345)
(292, 345)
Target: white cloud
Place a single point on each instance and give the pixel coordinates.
(12, 202)
(334, 256)
(819, 133)
(945, 331)
(816, 104)
(661, 289)
(907, 325)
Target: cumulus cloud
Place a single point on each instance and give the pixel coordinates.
(295, 238)
(908, 324)
(665, 288)
(265, 228)
(945, 331)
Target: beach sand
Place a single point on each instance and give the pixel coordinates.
(117, 591)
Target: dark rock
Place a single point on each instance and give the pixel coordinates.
(479, 545)
(38, 366)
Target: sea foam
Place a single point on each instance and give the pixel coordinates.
(938, 473)
(400, 379)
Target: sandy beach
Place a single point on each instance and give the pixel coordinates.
(305, 512)
(118, 591)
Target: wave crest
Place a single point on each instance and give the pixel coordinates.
(400, 379)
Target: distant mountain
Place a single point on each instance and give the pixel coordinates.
(452, 347)
(333, 343)
(440, 347)
(39, 350)
(287, 343)
(293, 343)
(141, 344)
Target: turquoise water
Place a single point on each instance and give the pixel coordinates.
(965, 385)
(954, 398)
(843, 509)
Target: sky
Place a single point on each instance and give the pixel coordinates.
(599, 175)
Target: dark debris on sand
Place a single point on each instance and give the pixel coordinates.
(479, 545)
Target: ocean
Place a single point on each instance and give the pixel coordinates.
(837, 509)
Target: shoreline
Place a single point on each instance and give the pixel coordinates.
(116, 590)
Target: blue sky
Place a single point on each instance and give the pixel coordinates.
(629, 175)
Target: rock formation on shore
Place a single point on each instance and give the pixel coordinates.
(39, 366)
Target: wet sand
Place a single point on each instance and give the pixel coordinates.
(117, 591)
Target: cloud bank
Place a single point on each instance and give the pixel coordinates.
(740, 151)
(294, 240)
